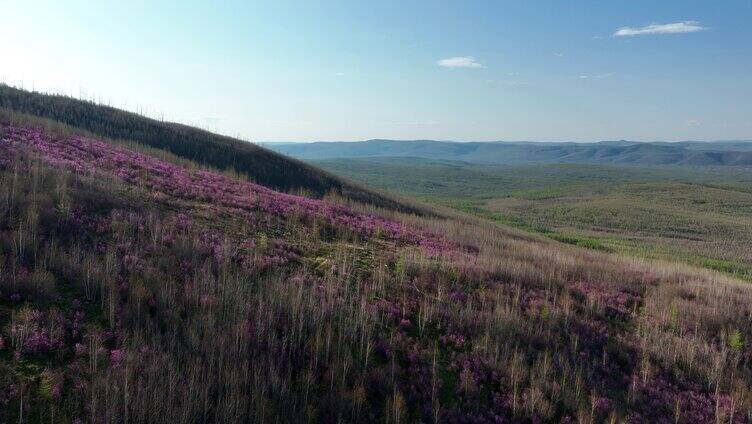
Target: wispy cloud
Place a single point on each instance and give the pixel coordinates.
(693, 123)
(459, 62)
(674, 28)
(597, 76)
(557, 54)
(417, 123)
(505, 82)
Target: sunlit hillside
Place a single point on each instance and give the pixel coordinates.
(421, 212)
(136, 286)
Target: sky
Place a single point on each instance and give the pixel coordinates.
(352, 70)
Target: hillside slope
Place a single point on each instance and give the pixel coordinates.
(221, 152)
(625, 153)
(137, 290)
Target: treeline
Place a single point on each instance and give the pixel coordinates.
(226, 153)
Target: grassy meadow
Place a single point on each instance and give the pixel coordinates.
(698, 215)
(139, 287)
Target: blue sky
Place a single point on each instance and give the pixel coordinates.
(513, 70)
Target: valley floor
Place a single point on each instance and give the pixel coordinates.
(700, 216)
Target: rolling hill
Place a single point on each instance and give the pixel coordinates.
(138, 286)
(217, 151)
(623, 153)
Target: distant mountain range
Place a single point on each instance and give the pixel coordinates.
(693, 153)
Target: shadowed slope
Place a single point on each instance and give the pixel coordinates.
(226, 153)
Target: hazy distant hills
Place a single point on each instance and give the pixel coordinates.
(614, 152)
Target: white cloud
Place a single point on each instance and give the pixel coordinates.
(459, 62)
(674, 28)
(559, 54)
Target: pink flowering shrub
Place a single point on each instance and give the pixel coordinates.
(665, 401)
(117, 356)
(209, 298)
(91, 157)
(611, 300)
(34, 333)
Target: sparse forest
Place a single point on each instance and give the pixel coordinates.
(204, 148)
(138, 287)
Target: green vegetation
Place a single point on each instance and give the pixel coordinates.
(736, 342)
(726, 266)
(697, 215)
(586, 242)
(473, 208)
